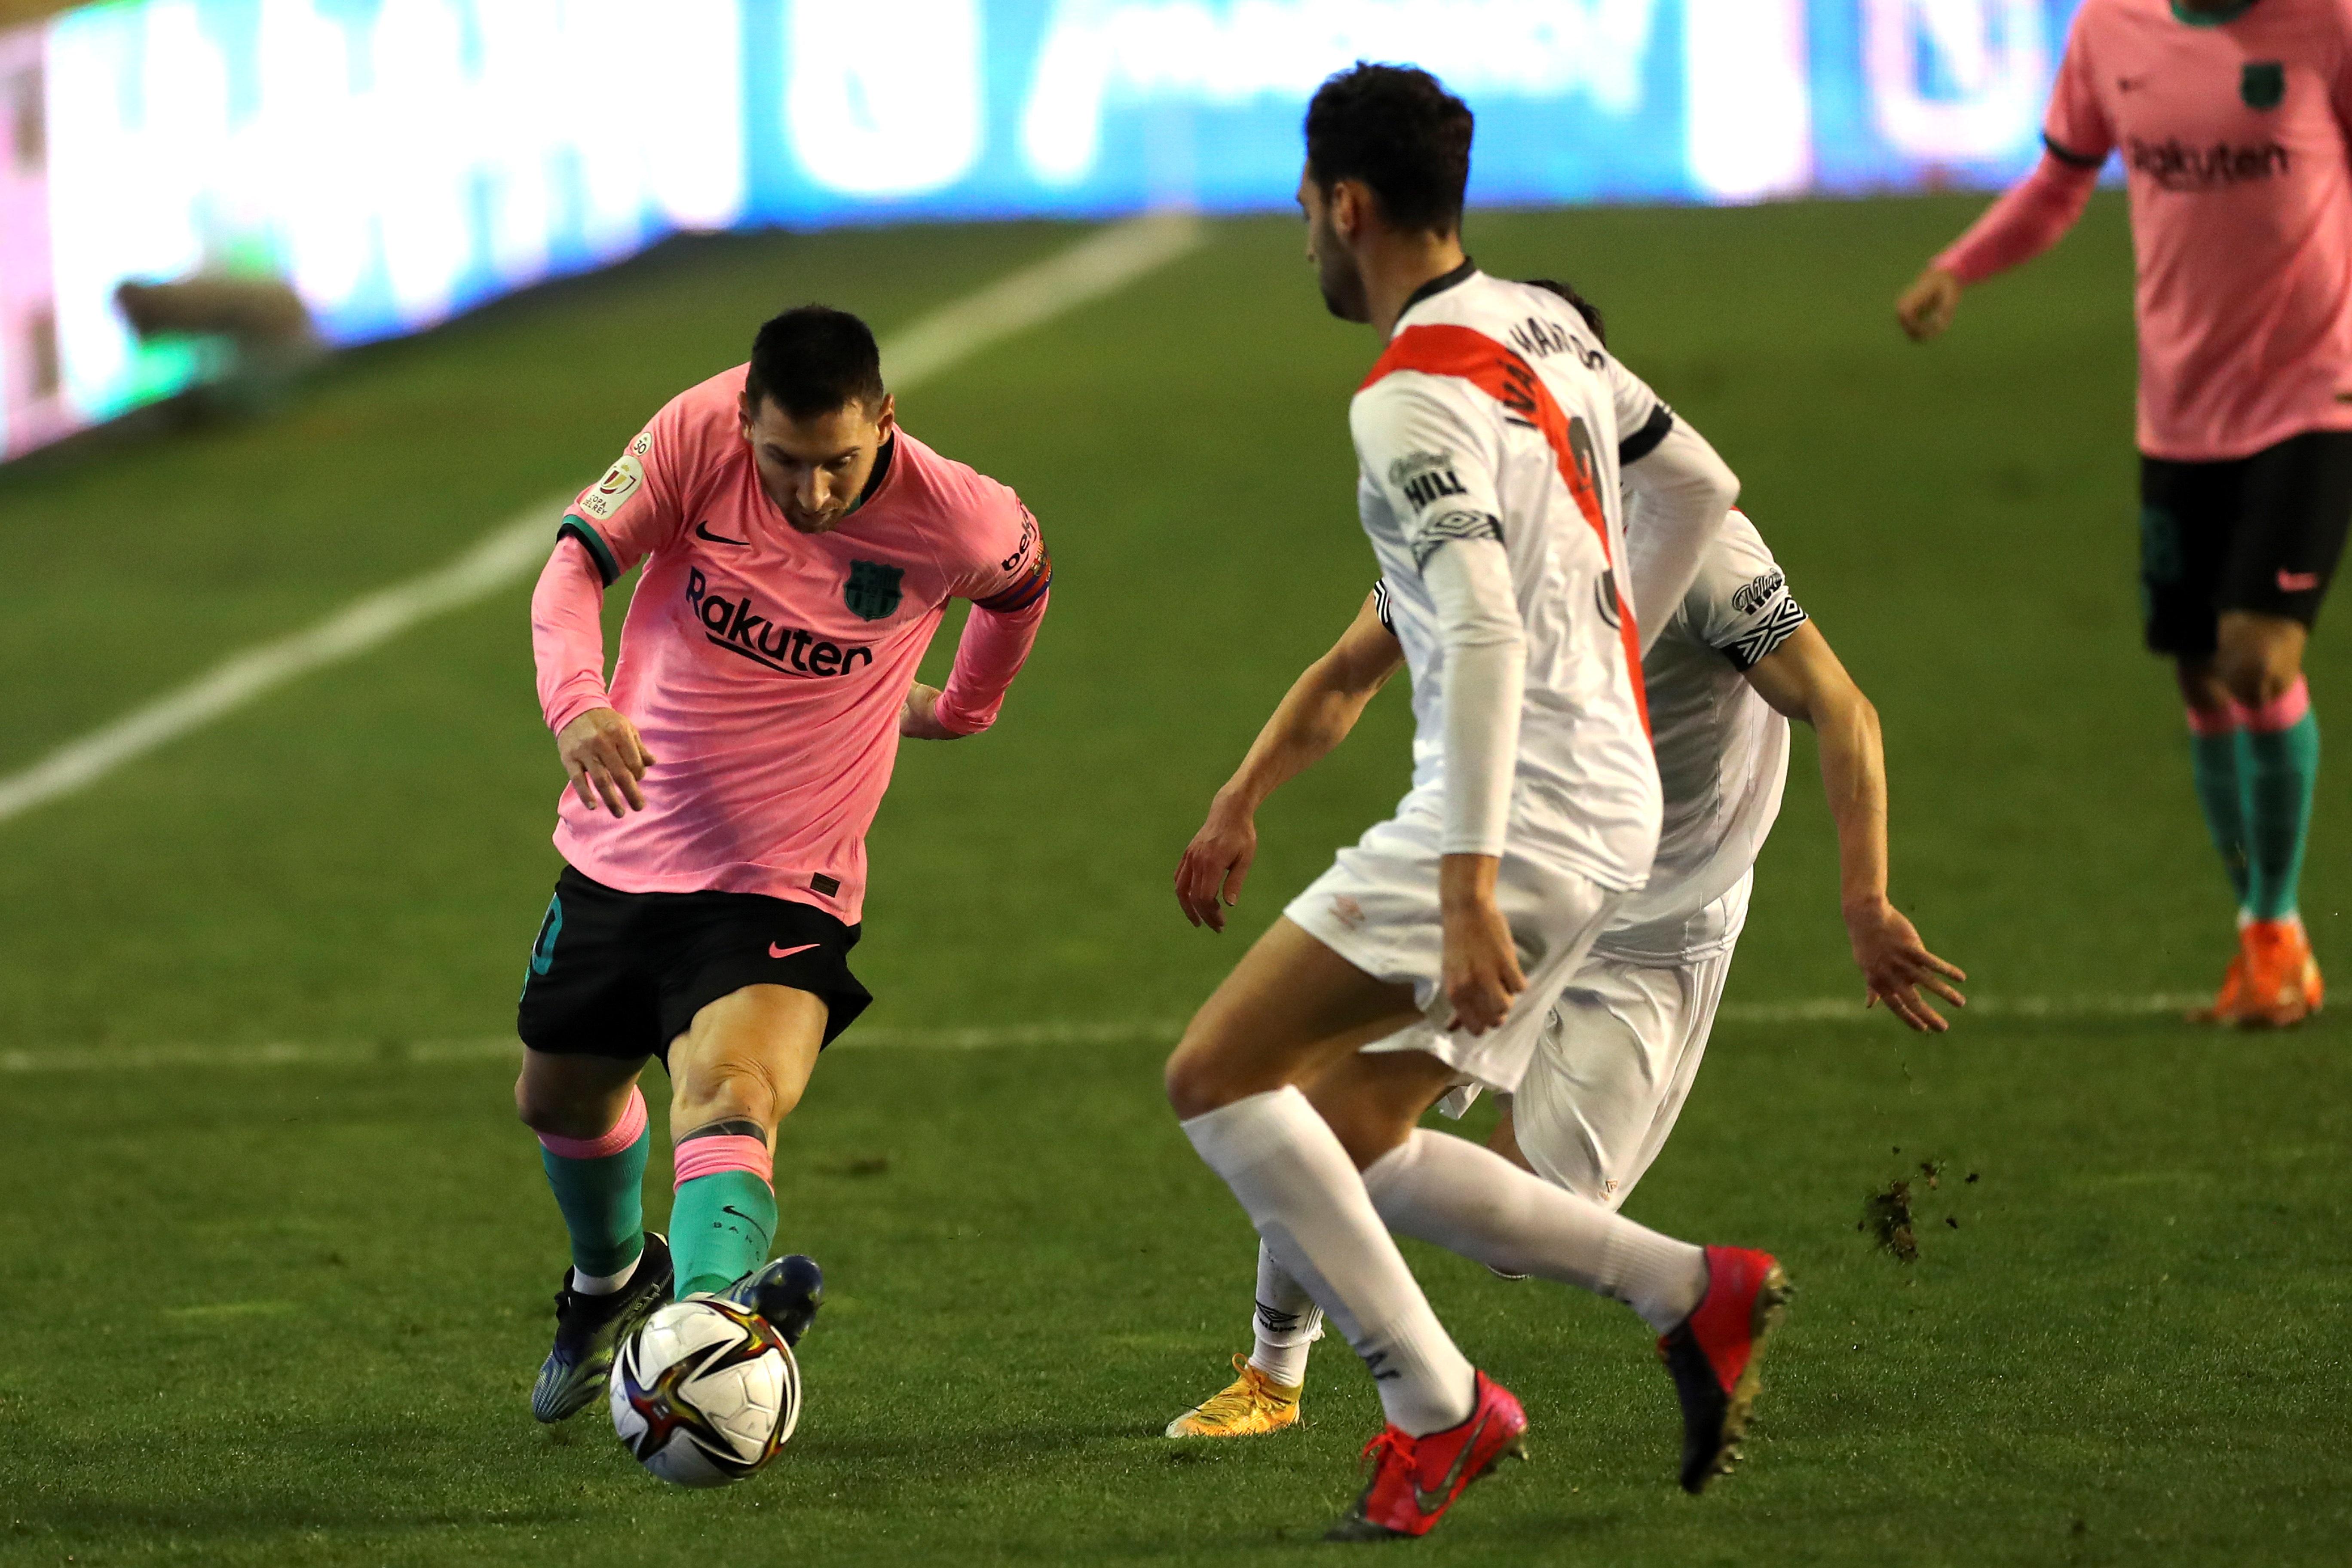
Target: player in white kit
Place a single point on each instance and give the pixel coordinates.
(1489, 436)
(1737, 660)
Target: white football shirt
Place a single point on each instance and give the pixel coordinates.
(1495, 415)
(1722, 753)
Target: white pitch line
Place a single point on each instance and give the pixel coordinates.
(1097, 266)
(983, 1038)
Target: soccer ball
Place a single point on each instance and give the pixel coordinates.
(705, 1393)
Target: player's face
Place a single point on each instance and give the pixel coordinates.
(1335, 272)
(815, 468)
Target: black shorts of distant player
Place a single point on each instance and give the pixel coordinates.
(2260, 534)
(623, 975)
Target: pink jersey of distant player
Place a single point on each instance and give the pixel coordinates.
(2232, 129)
(765, 668)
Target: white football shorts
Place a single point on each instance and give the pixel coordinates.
(1377, 908)
(1612, 1067)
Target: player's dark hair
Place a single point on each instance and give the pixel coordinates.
(1584, 307)
(1398, 131)
(813, 360)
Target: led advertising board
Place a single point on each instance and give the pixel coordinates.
(398, 161)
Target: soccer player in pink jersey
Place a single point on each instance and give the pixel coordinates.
(2232, 117)
(1490, 437)
(799, 550)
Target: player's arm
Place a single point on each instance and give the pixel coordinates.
(1434, 454)
(609, 527)
(1680, 491)
(1008, 606)
(1315, 715)
(2034, 215)
(1803, 679)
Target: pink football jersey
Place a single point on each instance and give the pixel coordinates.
(765, 668)
(2232, 128)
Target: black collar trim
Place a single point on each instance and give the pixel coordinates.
(881, 471)
(1436, 286)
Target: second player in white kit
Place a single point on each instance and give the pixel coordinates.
(1614, 1060)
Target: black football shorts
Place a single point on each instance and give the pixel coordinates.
(623, 975)
(2258, 533)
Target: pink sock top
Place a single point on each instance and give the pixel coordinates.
(721, 1153)
(625, 1131)
(2213, 722)
(2284, 711)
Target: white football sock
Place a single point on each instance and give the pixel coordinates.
(1470, 1200)
(1303, 1193)
(604, 1284)
(1287, 1322)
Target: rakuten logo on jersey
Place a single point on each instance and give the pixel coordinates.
(731, 624)
(2176, 167)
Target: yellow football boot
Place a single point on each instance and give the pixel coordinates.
(1249, 1406)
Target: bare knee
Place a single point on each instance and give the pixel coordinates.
(732, 1089)
(2201, 686)
(2259, 658)
(562, 1110)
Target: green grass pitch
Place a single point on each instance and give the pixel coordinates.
(288, 1315)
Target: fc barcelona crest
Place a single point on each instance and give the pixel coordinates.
(2262, 84)
(873, 590)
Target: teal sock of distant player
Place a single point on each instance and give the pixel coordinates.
(599, 1184)
(2216, 749)
(725, 1212)
(2281, 753)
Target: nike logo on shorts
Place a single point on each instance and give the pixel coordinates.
(2297, 581)
(702, 530)
(775, 951)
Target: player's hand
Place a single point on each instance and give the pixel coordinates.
(1896, 964)
(1925, 308)
(918, 717)
(1482, 961)
(1208, 878)
(604, 757)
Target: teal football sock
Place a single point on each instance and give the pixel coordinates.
(2281, 772)
(599, 1183)
(725, 1212)
(2217, 763)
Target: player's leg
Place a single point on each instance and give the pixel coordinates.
(2296, 507)
(2185, 523)
(1264, 1396)
(1439, 1188)
(593, 1140)
(587, 1024)
(1291, 1006)
(739, 1070)
(1714, 1308)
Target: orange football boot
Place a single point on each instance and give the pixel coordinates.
(2283, 986)
(2231, 999)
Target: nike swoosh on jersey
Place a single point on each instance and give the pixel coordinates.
(702, 530)
(1430, 1502)
(2297, 581)
(775, 951)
